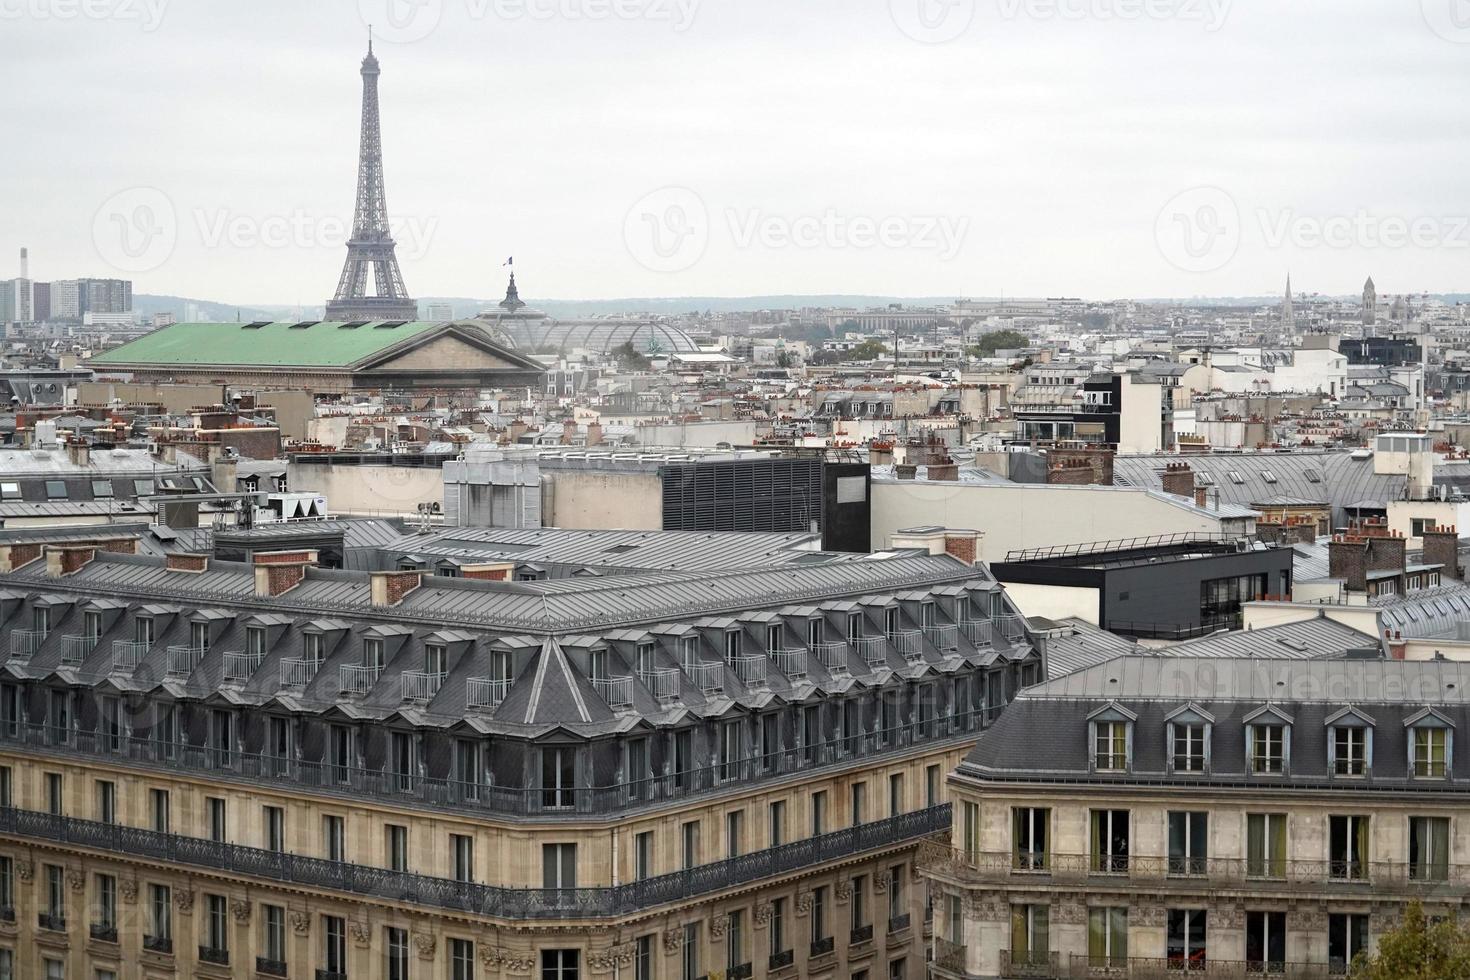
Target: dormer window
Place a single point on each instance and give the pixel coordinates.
(854, 628)
(890, 621)
(199, 636)
(436, 660)
(1268, 741)
(1189, 738)
(1111, 738)
(92, 624)
(255, 641)
(143, 630)
(1350, 743)
(597, 665)
(645, 659)
(41, 619)
(1431, 744)
(372, 653)
(312, 644)
(773, 638)
(813, 631)
(732, 644)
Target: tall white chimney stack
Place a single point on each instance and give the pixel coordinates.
(25, 264)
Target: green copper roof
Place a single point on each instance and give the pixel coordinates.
(285, 344)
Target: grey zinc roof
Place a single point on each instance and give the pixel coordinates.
(1340, 479)
(1304, 640)
(1075, 644)
(1426, 613)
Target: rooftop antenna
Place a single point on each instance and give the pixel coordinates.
(370, 39)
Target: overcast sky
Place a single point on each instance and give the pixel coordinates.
(1101, 148)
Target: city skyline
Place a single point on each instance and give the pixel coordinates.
(659, 149)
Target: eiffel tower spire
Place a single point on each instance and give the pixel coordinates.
(371, 245)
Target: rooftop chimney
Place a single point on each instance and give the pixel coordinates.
(64, 560)
(389, 588)
(1442, 547)
(1178, 479)
(278, 572)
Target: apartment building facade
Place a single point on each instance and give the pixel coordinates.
(211, 769)
(1158, 816)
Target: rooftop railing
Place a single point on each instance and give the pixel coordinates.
(980, 632)
(833, 655)
(240, 667)
(662, 682)
(486, 693)
(183, 659)
(908, 643)
(75, 649)
(128, 654)
(358, 679)
(493, 901)
(25, 643)
(298, 673)
(790, 661)
(873, 650)
(708, 677)
(750, 668)
(419, 685)
(943, 636)
(616, 691)
(1012, 627)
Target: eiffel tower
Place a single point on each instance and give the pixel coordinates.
(371, 245)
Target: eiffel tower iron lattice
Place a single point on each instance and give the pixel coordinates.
(371, 247)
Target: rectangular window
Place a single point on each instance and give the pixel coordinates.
(53, 794)
(1347, 936)
(334, 944)
(1265, 942)
(1110, 841)
(897, 911)
(274, 819)
(777, 926)
(111, 724)
(1347, 847)
(106, 801)
(397, 946)
(689, 952)
(218, 828)
(1429, 848)
(340, 741)
(461, 959)
(859, 903)
(1350, 751)
(643, 958)
(730, 750)
(1110, 750)
(395, 847)
(770, 740)
(558, 777)
(1030, 935)
(643, 855)
(777, 830)
(216, 923)
(559, 866)
(1267, 748)
(734, 832)
(933, 780)
(970, 828)
(689, 843)
(1107, 938)
(1188, 750)
(463, 847)
(1184, 942)
(56, 895)
(1429, 753)
(7, 883)
(1189, 836)
(819, 917)
(819, 813)
(160, 915)
(895, 794)
(333, 838)
(1031, 833)
(106, 901)
(403, 761)
(735, 941)
(273, 933)
(1265, 845)
(859, 802)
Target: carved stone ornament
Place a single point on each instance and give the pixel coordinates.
(673, 940)
(505, 959)
(762, 914)
(880, 883)
(1148, 915)
(843, 891)
(1228, 917)
(719, 924)
(803, 903)
(240, 909)
(607, 959)
(1070, 913)
(426, 943)
(184, 900)
(362, 933)
(300, 922)
(24, 870)
(76, 879)
(989, 911)
(128, 887)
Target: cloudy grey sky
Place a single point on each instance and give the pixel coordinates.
(1101, 148)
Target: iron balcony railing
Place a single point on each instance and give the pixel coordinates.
(215, 955)
(240, 667)
(616, 691)
(1030, 963)
(1082, 966)
(357, 679)
(1012, 627)
(873, 650)
(75, 649)
(909, 643)
(298, 673)
(1250, 874)
(950, 957)
(833, 655)
(270, 967)
(128, 654)
(419, 685)
(708, 677)
(790, 661)
(980, 632)
(158, 944)
(945, 636)
(183, 659)
(25, 643)
(486, 693)
(750, 668)
(662, 682)
(487, 900)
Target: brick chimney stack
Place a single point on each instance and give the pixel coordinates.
(278, 572)
(1178, 479)
(389, 588)
(1442, 547)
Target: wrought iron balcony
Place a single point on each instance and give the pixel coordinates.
(873, 650)
(298, 673)
(950, 957)
(833, 655)
(240, 667)
(909, 643)
(821, 947)
(128, 654)
(1086, 967)
(749, 668)
(330, 975)
(269, 967)
(662, 682)
(486, 693)
(980, 632)
(944, 636)
(616, 691)
(781, 960)
(740, 971)
(790, 661)
(1031, 963)
(479, 899)
(7, 913)
(357, 679)
(861, 934)
(25, 643)
(158, 944)
(709, 678)
(898, 923)
(419, 685)
(75, 649)
(1012, 627)
(54, 921)
(183, 659)
(104, 932)
(213, 954)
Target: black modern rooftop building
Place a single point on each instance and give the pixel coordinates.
(1248, 817)
(217, 768)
